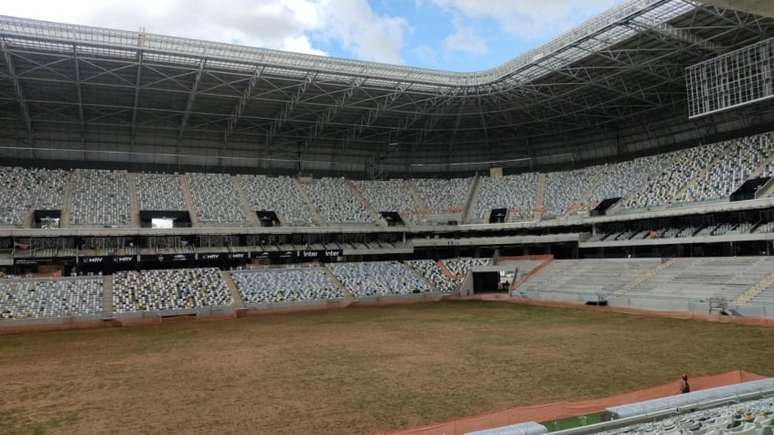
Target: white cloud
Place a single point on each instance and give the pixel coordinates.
(527, 19)
(281, 24)
(363, 32)
(465, 40)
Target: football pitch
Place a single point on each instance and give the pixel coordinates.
(354, 370)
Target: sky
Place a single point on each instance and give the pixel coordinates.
(456, 35)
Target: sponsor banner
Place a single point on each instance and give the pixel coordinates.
(225, 256)
(168, 258)
(330, 253)
(119, 259)
(28, 261)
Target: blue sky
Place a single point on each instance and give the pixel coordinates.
(458, 35)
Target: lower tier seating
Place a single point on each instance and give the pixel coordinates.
(653, 283)
(430, 270)
(378, 278)
(163, 290)
(39, 299)
(285, 285)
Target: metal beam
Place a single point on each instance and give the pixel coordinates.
(135, 105)
(329, 113)
(18, 89)
(79, 93)
(283, 114)
(244, 98)
(682, 35)
(191, 98)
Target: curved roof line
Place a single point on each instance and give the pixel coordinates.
(608, 24)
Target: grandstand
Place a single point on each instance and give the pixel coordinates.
(626, 165)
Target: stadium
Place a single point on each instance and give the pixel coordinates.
(201, 237)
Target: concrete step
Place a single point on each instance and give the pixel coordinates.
(232, 289)
(339, 285)
(67, 202)
(300, 185)
(185, 186)
(423, 278)
(540, 198)
(134, 200)
(748, 295)
(252, 218)
(107, 294)
(420, 208)
(470, 204)
(359, 195)
(645, 276)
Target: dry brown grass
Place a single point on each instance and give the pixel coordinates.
(357, 370)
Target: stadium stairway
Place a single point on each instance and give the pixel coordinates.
(134, 206)
(545, 260)
(359, 195)
(697, 178)
(67, 203)
(300, 185)
(185, 186)
(107, 294)
(420, 208)
(698, 279)
(766, 190)
(645, 276)
(252, 217)
(756, 290)
(232, 289)
(422, 278)
(540, 198)
(470, 204)
(762, 166)
(348, 296)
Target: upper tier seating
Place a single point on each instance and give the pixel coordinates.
(216, 199)
(278, 194)
(679, 169)
(444, 195)
(100, 198)
(512, 191)
(378, 278)
(623, 179)
(288, 285)
(740, 158)
(387, 195)
(25, 189)
(568, 190)
(336, 202)
(163, 290)
(38, 299)
(160, 192)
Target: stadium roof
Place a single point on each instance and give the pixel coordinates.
(75, 92)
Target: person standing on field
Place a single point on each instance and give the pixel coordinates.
(684, 386)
